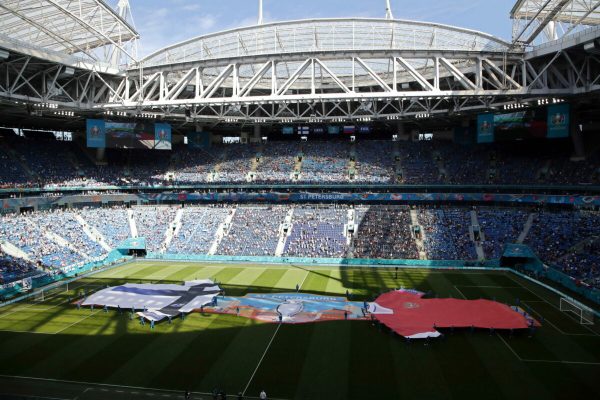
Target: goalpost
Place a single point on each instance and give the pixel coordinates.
(584, 314)
(49, 292)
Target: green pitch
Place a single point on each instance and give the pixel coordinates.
(84, 355)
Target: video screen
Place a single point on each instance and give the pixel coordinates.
(121, 135)
(128, 135)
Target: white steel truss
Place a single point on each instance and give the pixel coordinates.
(537, 21)
(343, 87)
(34, 82)
(79, 27)
(331, 75)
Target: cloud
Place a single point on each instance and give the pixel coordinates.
(206, 22)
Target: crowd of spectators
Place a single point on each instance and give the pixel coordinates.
(236, 163)
(14, 269)
(67, 227)
(323, 163)
(445, 234)
(500, 227)
(277, 162)
(254, 231)
(419, 164)
(374, 162)
(461, 167)
(30, 233)
(562, 239)
(194, 166)
(152, 223)
(384, 232)
(198, 229)
(317, 232)
(112, 223)
(584, 265)
(13, 173)
(554, 233)
(51, 163)
(565, 239)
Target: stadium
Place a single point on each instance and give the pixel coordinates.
(324, 208)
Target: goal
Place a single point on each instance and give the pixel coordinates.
(584, 314)
(50, 292)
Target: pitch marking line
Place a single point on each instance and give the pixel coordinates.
(36, 397)
(42, 302)
(303, 280)
(539, 301)
(100, 386)
(76, 322)
(261, 359)
(32, 332)
(556, 327)
(491, 287)
(546, 301)
(461, 293)
(509, 347)
(543, 361)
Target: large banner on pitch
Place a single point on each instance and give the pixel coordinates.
(485, 128)
(96, 133)
(558, 120)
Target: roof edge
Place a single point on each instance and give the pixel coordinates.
(298, 21)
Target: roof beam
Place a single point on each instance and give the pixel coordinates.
(415, 74)
(90, 28)
(48, 32)
(583, 17)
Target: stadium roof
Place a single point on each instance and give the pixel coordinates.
(320, 35)
(584, 12)
(68, 26)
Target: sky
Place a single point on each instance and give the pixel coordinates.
(164, 22)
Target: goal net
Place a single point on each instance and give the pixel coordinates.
(584, 315)
(51, 292)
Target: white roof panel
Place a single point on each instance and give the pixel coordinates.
(69, 26)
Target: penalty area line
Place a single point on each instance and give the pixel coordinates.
(553, 305)
(76, 322)
(509, 347)
(554, 326)
(304, 280)
(102, 386)
(543, 361)
(261, 359)
(461, 293)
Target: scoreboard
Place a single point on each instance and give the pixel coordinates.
(128, 135)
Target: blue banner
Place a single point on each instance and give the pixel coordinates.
(287, 130)
(162, 136)
(558, 120)
(199, 140)
(485, 128)
(96, 133)
(333, 130)
(303, 130)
